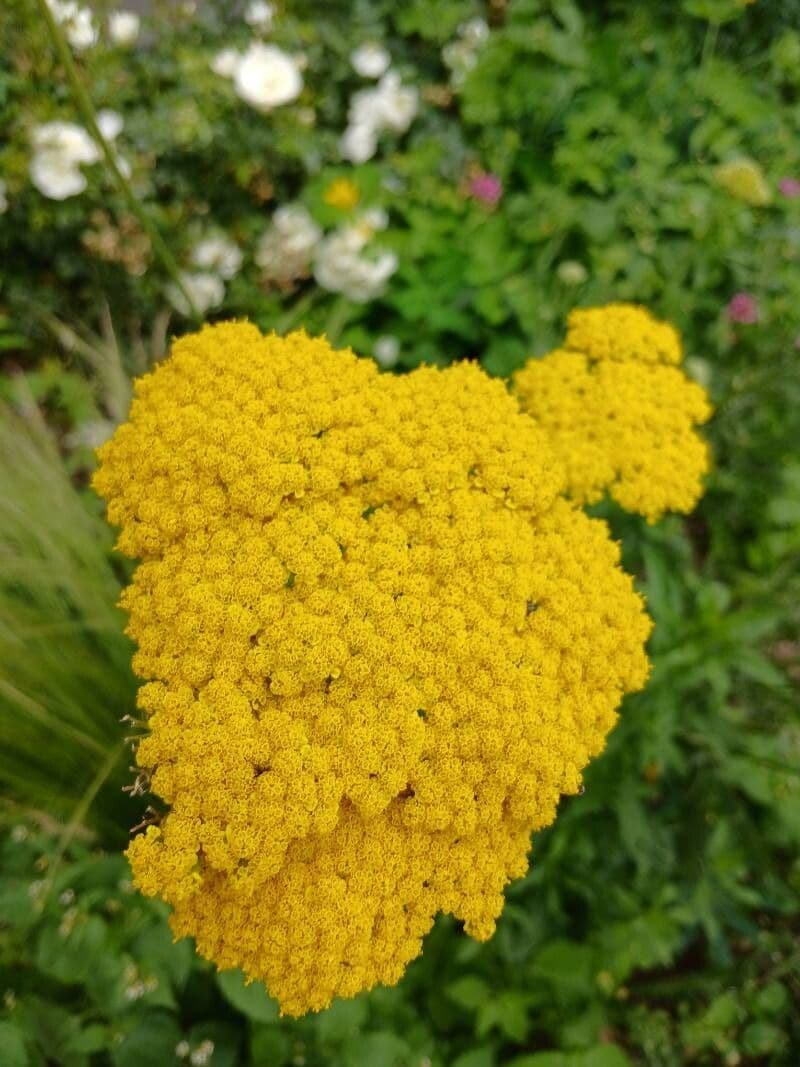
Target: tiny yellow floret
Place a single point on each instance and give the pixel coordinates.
(378, 645)
(619, 411)
(342, 193)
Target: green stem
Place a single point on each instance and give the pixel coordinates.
(86, 108)
(337, 319)
(709, 44)
(79, 814)
(296, 313)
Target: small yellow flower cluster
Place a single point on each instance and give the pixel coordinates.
(619, 412)
(379, 644)
(342, 193)
(744, 179)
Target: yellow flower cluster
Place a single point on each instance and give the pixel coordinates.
(379, 644)
(619, 411)
(342, 193)
(744, 179)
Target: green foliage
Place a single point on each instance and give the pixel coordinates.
(65, 679)
(658, 923)
(605, 130)
(92, 977)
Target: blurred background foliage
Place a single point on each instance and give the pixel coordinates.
(569, 153)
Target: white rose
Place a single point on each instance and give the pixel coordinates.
(374, 218)
(389, 106)
(397, 103)
(460, 57)
(81, 30)
(284, 251)
(110, 123)
(259, 15)
(298, 230)
(370, 60)
(219, 255)
(59, 149)
(55, 177)
(386, 350)
(342, 266)
(267, 77)
(358, 143)
(77, 22)
(226, 62)
(461, 54)
(206, 291)
(475, 31)
(123, 27)
(378, 272)
(66, 139)
(62, 11)
(368, 276)
(366, 109)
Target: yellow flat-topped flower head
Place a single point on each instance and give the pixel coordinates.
(378, 645)
(619, 412)
(624, 333)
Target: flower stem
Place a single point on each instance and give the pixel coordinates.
(337, 319)
(86, 108)
(296, 313)
(69, 831)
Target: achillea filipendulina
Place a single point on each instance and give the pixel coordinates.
(619, 411)
(379, 645)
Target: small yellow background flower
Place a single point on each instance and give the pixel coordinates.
(342, 193)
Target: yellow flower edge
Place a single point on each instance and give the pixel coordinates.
(378, 645)
(619, 412)
(624, 333)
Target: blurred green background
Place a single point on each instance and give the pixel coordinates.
(428, 181)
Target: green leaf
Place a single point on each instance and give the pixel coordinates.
(341, 1020)
(469, 992)
(380, 1049)
(70, 957)
(250, 999)
(270, 1046)
(762, 1038)
(773, 999)
(476, 1057)
(17, 906)
(508, 1012)
(12, 1046)
(567, 967)
(225, 1037)
(162, 955)
(717, 12)
(93, 1038)
(597, 1056)
(152, 1041)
